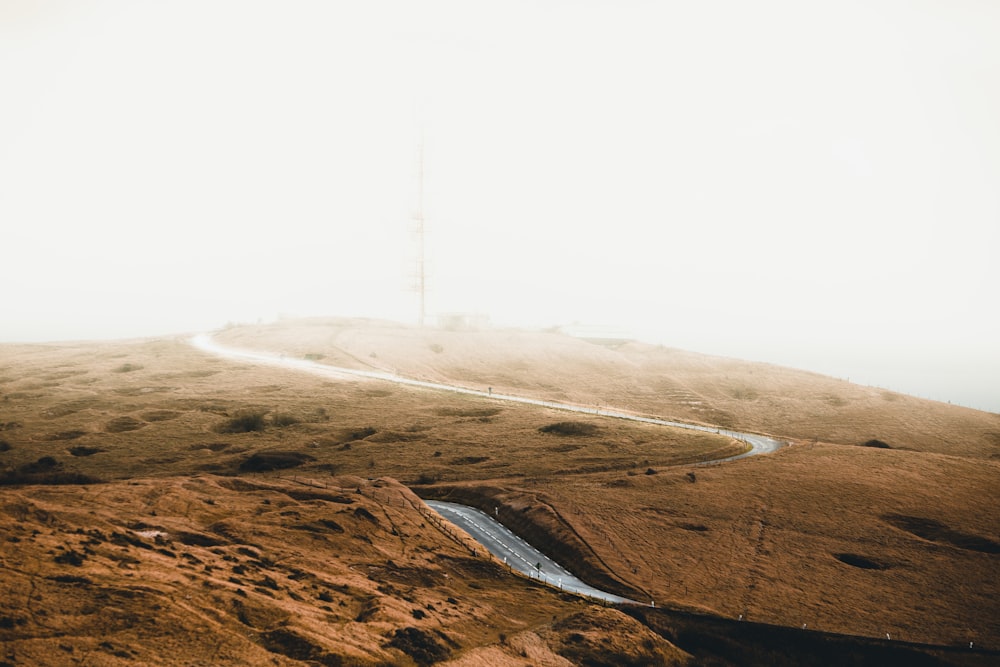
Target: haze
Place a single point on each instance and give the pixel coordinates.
(808, 185)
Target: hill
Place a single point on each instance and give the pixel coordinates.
(160, 505)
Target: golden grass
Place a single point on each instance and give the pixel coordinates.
(644, 378)
(848, 539)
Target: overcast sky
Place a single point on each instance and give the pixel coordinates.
(812, 184)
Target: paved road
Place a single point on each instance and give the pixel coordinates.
(494, 536)
(759, 444)
(515, 552)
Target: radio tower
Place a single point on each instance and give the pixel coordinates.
(418, 217)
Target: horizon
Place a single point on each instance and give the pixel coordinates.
(897, 377)
(732, 180)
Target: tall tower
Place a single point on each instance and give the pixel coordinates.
(418, 217)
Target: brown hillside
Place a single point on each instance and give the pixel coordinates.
(137, 476)
(644, 378)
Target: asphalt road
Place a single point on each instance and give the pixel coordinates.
(484, 529)
(515, 552)
(759, 444)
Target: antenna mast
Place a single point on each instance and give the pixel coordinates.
(419, 218)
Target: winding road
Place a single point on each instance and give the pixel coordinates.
(515, 552)
(484, 529)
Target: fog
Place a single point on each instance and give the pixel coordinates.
(808, 185)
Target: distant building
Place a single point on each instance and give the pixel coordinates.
(463, 321)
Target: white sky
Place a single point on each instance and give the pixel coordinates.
(813, 184)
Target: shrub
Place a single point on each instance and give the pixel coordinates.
(284, 419)
(43, 464)
(468, 412)
(877, 444)
(570, 428)
(70, 557)
(83, 450)
(265, 461)
(245, 421)
(123, 424)
(421, 646)
(44, 471)
(4, 446)
(65, 435)
(128, 368)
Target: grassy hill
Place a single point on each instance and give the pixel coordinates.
(164, 506)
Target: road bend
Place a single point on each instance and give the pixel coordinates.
(516, 553)
(494, 536)
(757, 444)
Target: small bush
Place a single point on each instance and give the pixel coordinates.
(284, 419)
(83, 450)
(70, 557)
(362, 433)
(159, 415)
(4, 446)
(265, 461)
(55, 477)
(128, 368)
(44, 464)
(123, 424)
(246, 421)
(877, 444)
(421, 646)
(468, 412)
(45, 470)
(65, 435)
(469, 460)
(569, 428)
(862, 562)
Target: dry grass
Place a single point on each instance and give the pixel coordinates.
(856, 539)
(170, 571)
(647, 379)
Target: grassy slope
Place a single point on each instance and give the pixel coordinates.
(758, 537)
(648, 379)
